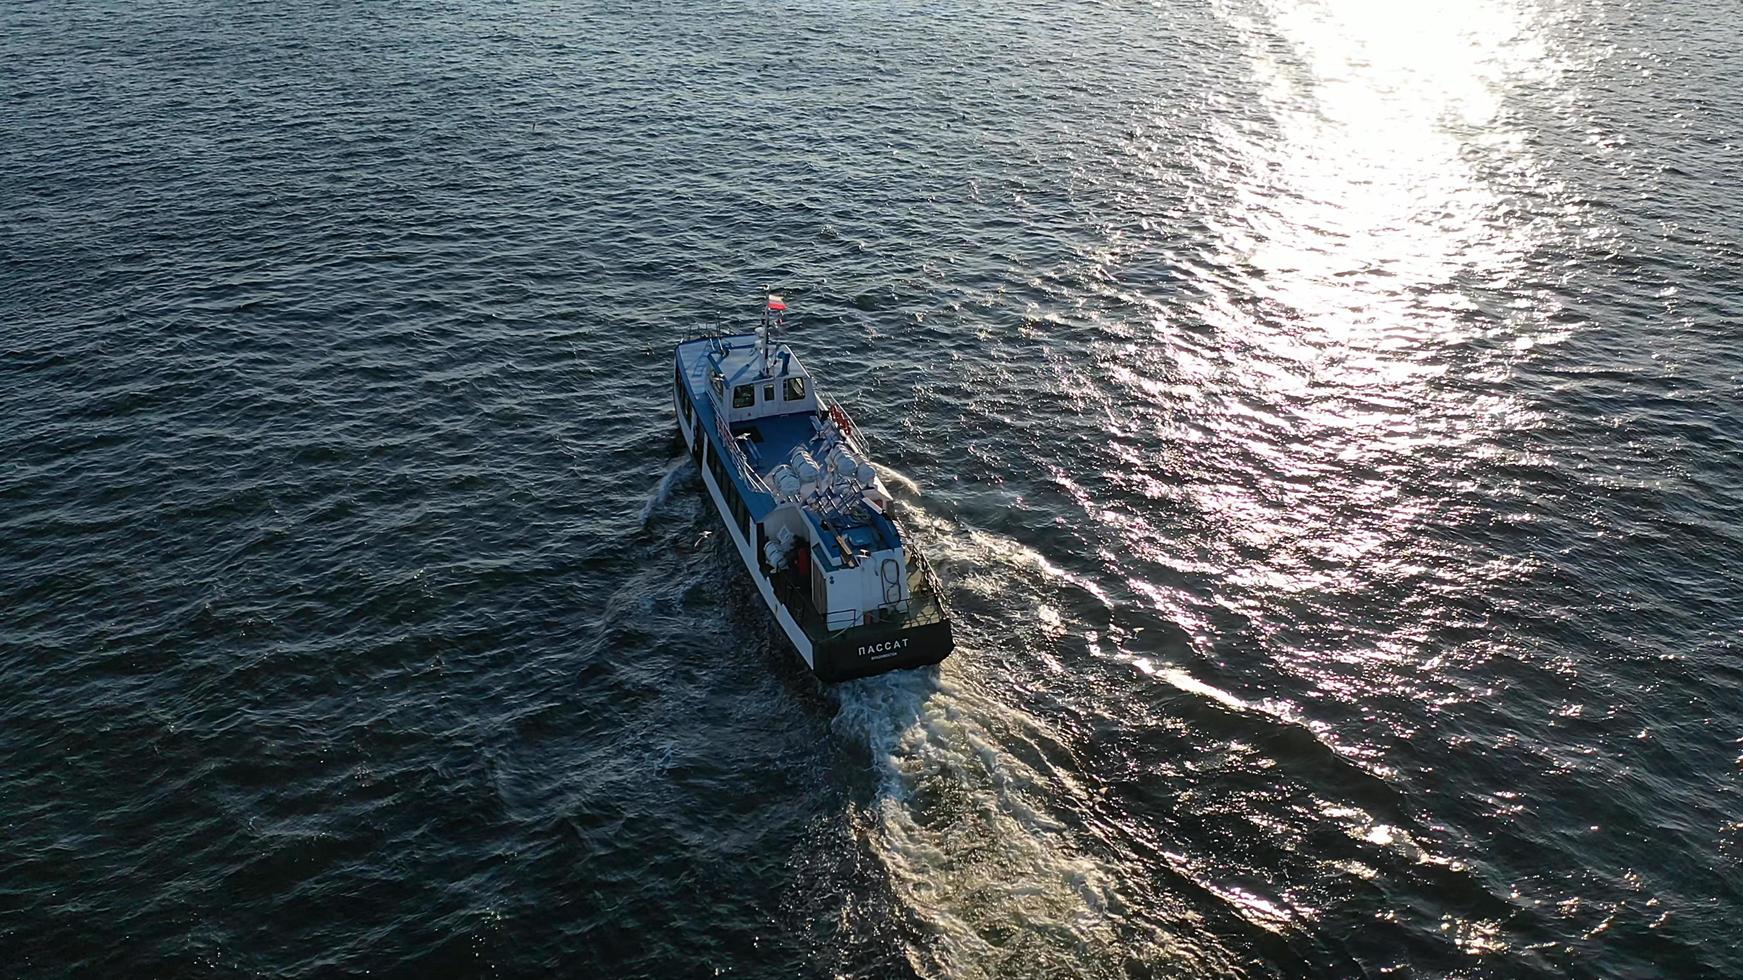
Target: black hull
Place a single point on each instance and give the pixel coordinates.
(863, 653)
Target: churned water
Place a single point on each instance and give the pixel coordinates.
(1324, 413)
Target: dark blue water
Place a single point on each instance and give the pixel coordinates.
(1328, 419)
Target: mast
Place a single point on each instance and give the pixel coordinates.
(772, 320)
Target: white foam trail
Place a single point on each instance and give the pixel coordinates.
(972, 814)
(987, 559)
(663, 490)
(964, 832)
(894, 476)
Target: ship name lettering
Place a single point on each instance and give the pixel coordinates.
(886, 647)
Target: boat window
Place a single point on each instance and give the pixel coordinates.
(795, 389)
(744, 396)
(719, 385)
(768, 393)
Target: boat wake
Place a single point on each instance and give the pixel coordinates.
(966, 810)
(899, 480)
(962, 828)
(680, 470)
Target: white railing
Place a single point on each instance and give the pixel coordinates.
(849, 428)
(735, 452)
(922, 607)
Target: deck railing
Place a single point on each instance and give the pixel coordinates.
(735, 453)
(921, 610)
(849, 428)
(924, 606)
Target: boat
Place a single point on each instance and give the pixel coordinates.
(806, 511)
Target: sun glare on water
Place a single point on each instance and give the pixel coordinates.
(1354, 287)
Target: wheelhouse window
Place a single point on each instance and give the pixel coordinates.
(683, 394)
(744, 396)
(795, 389)
(768, 393)
(718, 384)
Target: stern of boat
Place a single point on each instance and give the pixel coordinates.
(913, 633)
(868, 650)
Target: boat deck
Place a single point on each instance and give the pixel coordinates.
(925, 608)
(771, 442)
(773, 438)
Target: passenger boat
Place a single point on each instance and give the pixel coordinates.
(807, 513)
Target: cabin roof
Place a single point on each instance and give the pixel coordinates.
(739, 361)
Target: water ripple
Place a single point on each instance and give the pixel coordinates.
(1324, 415)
